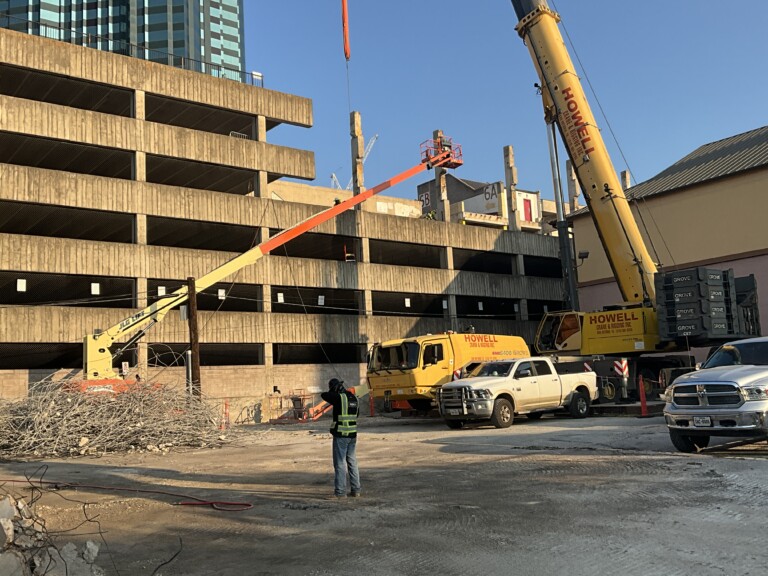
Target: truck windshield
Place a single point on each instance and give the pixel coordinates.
(491, 369)
(404, 356)
(746, 353)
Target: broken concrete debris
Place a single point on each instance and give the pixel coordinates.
(27, 550)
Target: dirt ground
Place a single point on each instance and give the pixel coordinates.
(600, 496)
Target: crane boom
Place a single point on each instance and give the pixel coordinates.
(566, 105)
(97, 357)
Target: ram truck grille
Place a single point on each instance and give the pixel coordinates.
(707, 395)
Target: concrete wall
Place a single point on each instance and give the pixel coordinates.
(321, 196)
(63, 59)
(237, 388)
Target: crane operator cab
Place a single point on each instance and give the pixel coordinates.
(559, 331)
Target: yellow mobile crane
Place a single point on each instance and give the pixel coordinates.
(633, 326)
(644, 322)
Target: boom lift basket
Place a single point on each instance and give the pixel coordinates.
(432, 148)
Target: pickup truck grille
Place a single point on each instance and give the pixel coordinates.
(457, 396)
(707, 395)
(452, 396)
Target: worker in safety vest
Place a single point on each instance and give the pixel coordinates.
(344, 432)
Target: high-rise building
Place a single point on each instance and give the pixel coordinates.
(203, 35)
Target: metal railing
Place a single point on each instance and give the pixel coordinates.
(107, 44)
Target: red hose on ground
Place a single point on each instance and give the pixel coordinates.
(215, 504)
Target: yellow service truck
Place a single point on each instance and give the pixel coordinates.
(413, 369)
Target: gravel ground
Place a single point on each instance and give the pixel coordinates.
(600, 496)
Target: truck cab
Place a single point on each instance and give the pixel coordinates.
(413, 369)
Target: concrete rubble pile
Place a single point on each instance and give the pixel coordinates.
(27, 549)
(56, 420)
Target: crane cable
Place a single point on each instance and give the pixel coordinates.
(621, 153)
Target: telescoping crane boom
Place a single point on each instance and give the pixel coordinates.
(97, 357)
(565, 105)
(623, 338)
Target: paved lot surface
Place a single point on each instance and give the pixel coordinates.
(600, 496)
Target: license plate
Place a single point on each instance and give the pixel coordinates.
(454, 412)
(702, 421)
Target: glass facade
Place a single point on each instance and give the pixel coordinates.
(208, 33)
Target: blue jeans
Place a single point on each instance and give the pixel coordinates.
(345, 459)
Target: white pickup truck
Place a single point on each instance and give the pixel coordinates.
(727, 396)
(498, 390)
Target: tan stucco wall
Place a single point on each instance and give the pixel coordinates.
(720, 224)
(712, 221)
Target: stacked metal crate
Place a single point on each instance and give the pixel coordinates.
(698, 305)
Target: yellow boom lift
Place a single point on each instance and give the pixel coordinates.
(98, 359)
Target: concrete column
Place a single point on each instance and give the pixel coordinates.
(626, 180)
(446, 258)
(574, 190)
(261, 179)
(139, 105)
(266, 306)
(449, 313)
(518, 267)
(266, 289)
(266, 302)
(510, 186)
(358, 151)
(261, 129)
(442, 203)
(518, 264)
(140, 166)
(365, 303)
(142, 352)
(142, 295)
(523, 309)
(266, 299)
(140, 233)
(365, 250)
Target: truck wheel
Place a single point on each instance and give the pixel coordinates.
(455, 424)
(686, 443)
(579, 406)
(503, 413)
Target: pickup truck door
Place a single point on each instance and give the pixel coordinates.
(525, 387)
(549, 384)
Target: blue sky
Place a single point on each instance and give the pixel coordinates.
(670, 76)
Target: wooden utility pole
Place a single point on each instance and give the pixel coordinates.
(194, 338)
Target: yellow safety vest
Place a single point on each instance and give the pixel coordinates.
(346, 423)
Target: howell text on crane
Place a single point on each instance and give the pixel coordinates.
(579, 130)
